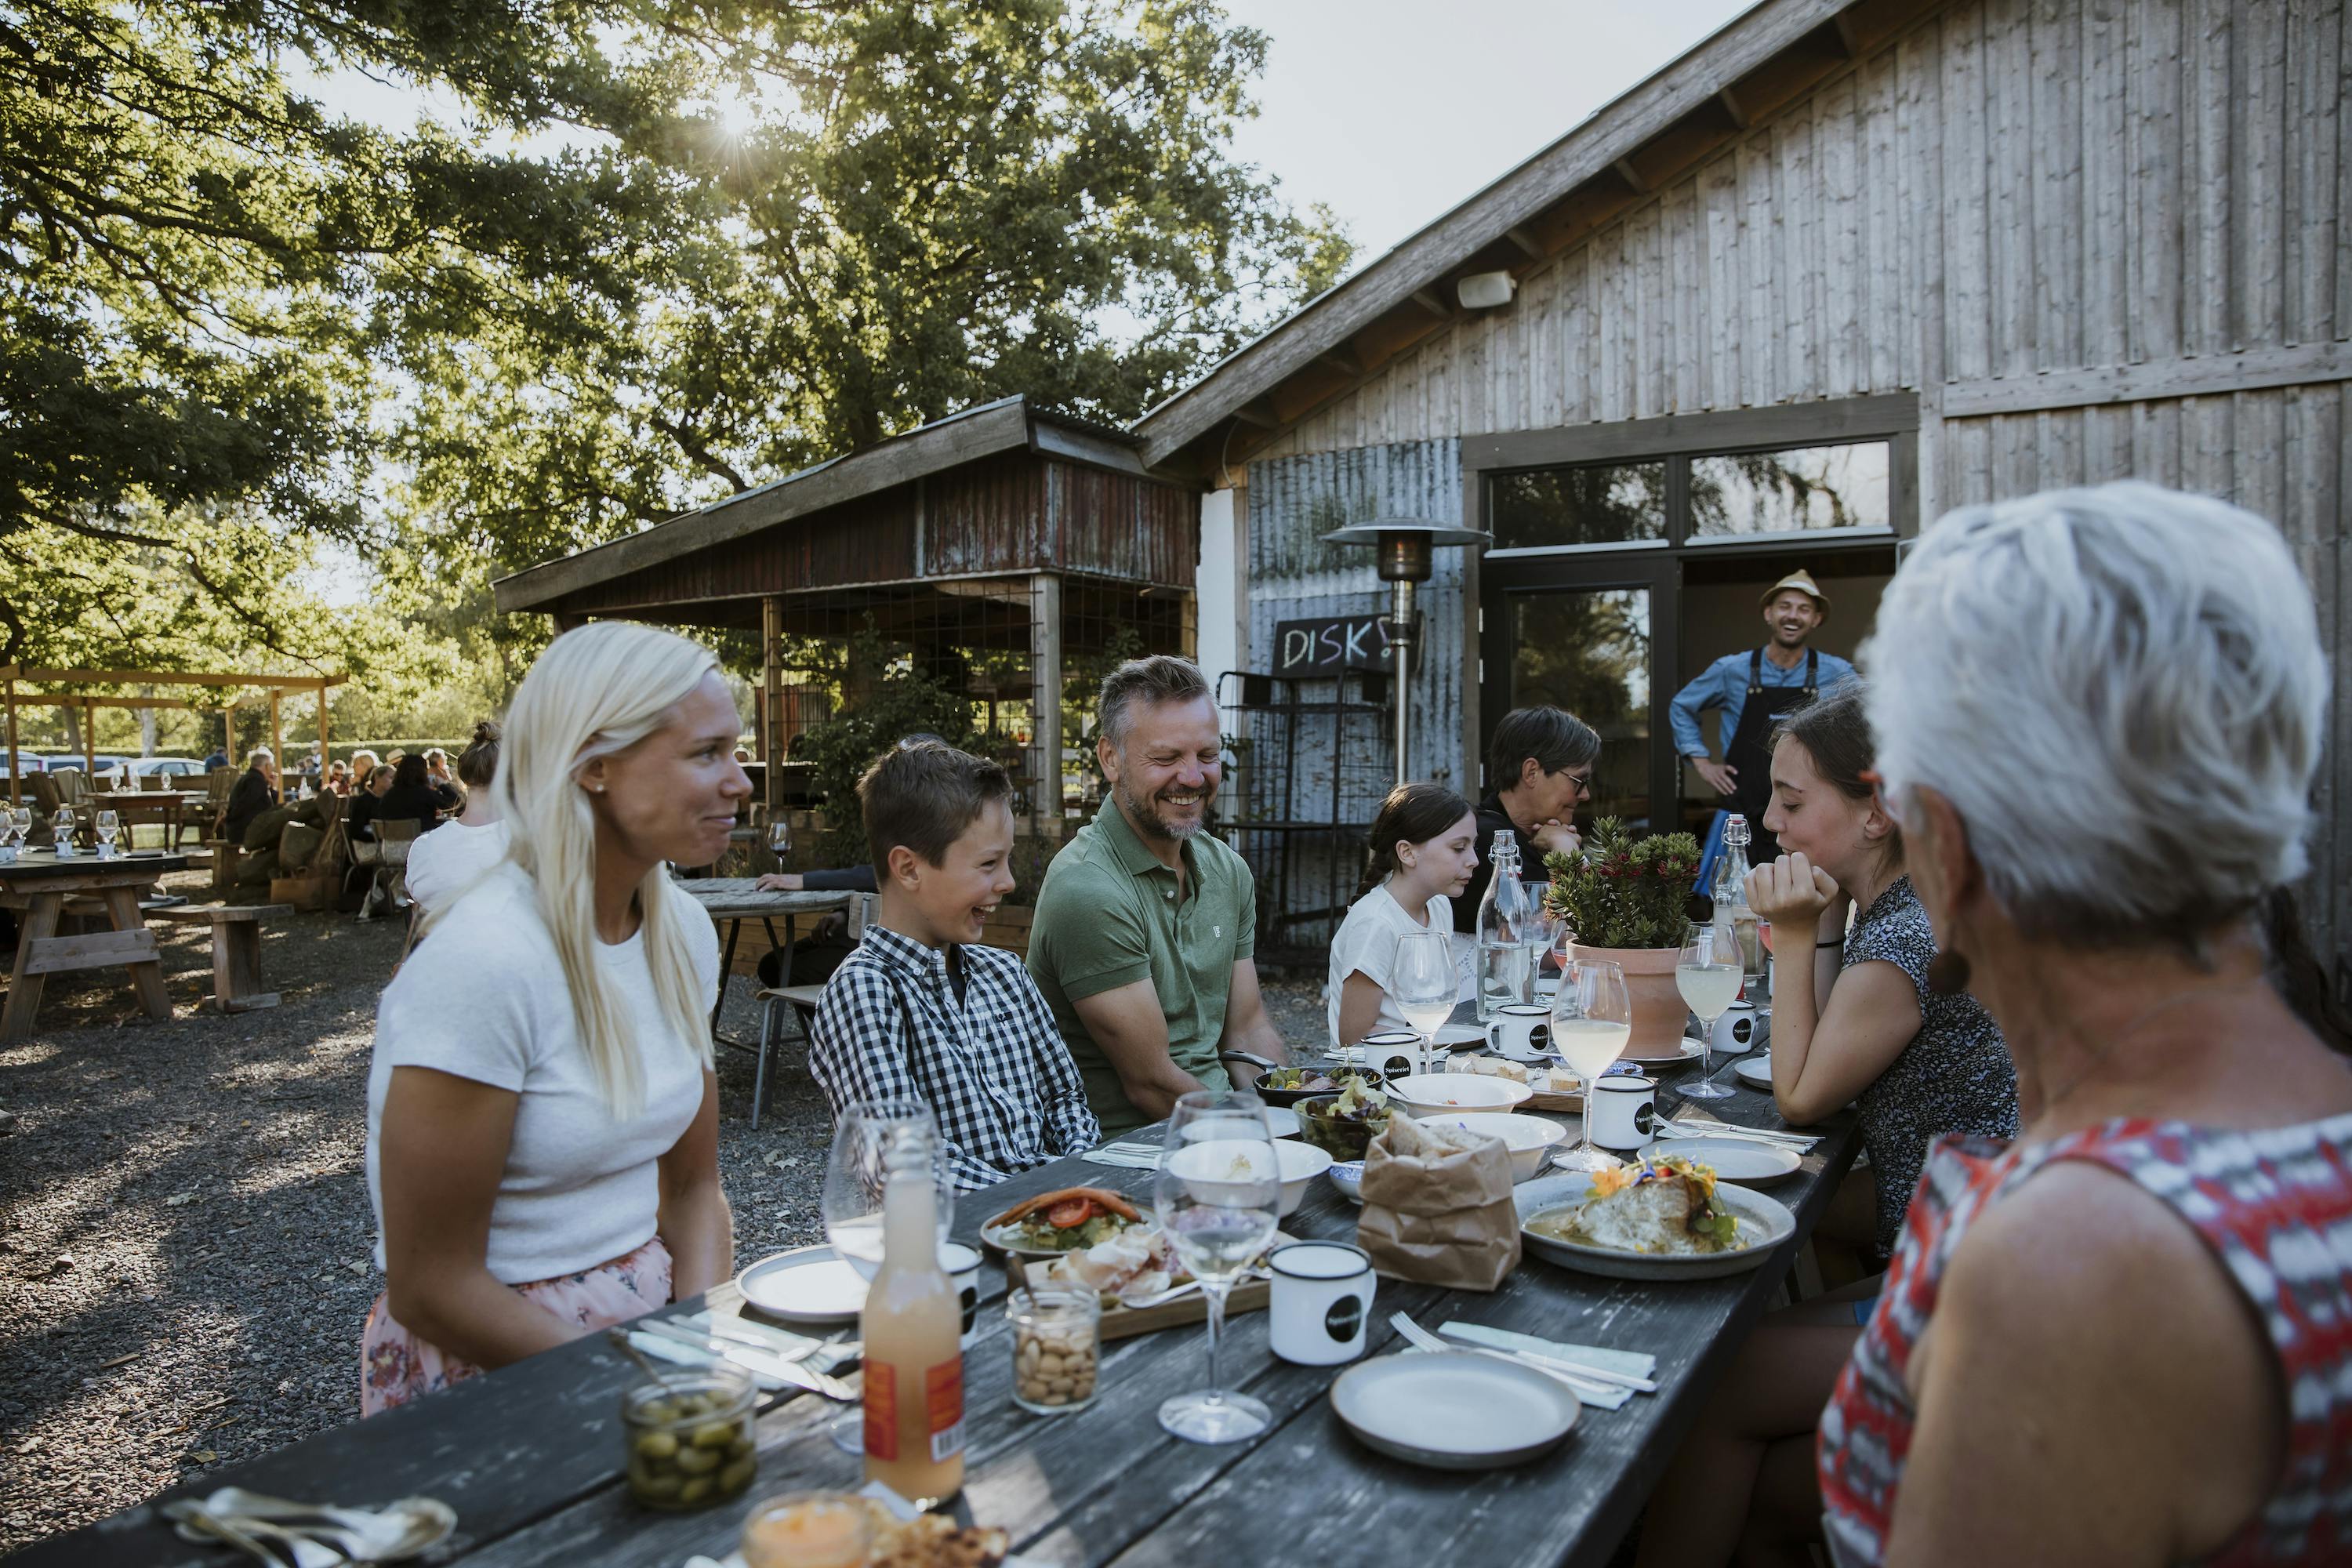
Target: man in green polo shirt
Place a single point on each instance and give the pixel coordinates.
(1144, 929)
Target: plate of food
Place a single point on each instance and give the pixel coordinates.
(1661, 1217)
(1344, 1124)
(1283, 1087)
(1070, 1219)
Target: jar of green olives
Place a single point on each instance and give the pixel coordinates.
(689, 1436)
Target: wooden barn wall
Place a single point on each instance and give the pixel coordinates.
(2011, 189)
(870, 540)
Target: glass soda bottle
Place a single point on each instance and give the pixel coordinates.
(1505, 976)
(912, 1325)
(1730, 897)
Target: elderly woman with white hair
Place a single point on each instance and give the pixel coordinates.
(542, 1118)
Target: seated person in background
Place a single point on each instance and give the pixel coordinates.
(217, 758)
(436, 767)
(443, 863)
(920, 1010)
(256, 791)
(1424, 846)
(413, 797)
(338, 779)
(363, 764)
(1541, 763)
(1146, 925)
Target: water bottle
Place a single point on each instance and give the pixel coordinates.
(1505, 976)
(1731, 910)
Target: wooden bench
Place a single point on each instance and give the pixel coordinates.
(225, 852)
(236, 950)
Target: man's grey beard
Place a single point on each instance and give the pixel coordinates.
(1148, 822)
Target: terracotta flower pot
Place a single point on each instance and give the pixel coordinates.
(1659, 1011)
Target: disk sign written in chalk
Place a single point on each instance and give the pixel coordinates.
(1330, 644)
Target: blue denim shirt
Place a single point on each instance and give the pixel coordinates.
(1724, 685)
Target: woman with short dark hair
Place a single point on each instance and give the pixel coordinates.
(1539, 768)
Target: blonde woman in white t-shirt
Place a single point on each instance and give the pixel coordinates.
(1424, 845)
(542, 1118)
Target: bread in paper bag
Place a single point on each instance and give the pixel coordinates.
(1438, 1205)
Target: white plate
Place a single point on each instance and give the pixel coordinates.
(1691, 1047)
(1763, 1225)
(1742, 1160)
(1755, 1070)
(1453, 1410)
(807, 1285)
(1454, 1037)
(1282, 1121)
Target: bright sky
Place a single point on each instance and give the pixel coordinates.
(1394, 111)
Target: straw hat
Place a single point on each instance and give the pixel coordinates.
(1802, 581)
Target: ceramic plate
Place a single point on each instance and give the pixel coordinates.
(806, 1285)
(1685, 1050)
(1459, 1036)
(1742, 1160)
(1755, 1070)
(1453, 1410)
(1763, 1225)
(1282, 1121)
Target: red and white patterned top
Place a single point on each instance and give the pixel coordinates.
(2275, 1206)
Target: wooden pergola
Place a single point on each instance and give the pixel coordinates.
(271, 687)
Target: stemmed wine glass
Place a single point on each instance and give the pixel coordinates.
(20, 823)
(1216, 1197)
(1591, 1019)
(780, 837)
(854, 1177)
(1708, 974)
(1422, 981)
(62, 826)
(107, 823)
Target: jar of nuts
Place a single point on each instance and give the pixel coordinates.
(1055, 1334)
(689, 1436)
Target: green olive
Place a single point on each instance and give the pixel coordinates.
(697, 1461)
(658, 1488)
(657, 1445)
(738, 1476)
(742, 1444)
(657, 1412)
(714, 1435)
(695, 1490)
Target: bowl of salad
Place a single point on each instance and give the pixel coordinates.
(1343, 1125)
(1289, 1086)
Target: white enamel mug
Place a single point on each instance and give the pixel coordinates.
(1625, 1110)
(1520, 1031)
(1393, 1052)
(1322, 1301)
(1735, 1032)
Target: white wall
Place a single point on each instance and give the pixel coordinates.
(1217, 588)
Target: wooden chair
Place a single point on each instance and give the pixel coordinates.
(320, 882)
(214, 817)
(236, 950)
(801, 1000)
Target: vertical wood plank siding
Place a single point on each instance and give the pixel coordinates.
(2012, 187)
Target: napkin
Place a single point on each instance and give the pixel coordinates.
(1631, 1363)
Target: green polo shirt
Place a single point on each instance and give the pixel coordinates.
(1110, 915)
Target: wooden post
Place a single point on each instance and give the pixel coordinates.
(323, 732)
(1046, 694)
(772, 698)
(15, 762)
(90, 743)
(228, 733)
(276, 733)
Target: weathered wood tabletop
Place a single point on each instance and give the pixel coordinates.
(531, 1457)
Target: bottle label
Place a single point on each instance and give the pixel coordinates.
(881, 1411)
(943, 1387)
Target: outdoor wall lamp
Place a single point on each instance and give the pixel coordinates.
(1407, 546)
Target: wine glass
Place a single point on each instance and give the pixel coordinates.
(107, 823)
(1422, 981)
(1216, 1197)
(20, 823)
(1591, 1019)
(780, 838)
(854, 1177)
(1708, 974)
(62, 826)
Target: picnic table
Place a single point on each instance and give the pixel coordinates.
(530, 1457)
(731, 900)
(162, 806)
(39, 882)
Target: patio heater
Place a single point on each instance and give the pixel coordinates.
(1406, 546)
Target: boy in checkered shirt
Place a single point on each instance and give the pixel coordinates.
(921, 1010)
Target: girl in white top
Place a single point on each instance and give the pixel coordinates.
(542, 1118)
(452, 857)
(1425, 847)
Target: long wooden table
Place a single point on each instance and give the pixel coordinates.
(531, 1457)
(43, 882)
(731, 900)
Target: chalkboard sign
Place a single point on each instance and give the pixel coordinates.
(1331, 644)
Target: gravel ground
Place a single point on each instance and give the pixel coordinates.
(185, 1231)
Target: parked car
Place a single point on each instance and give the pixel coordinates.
(158, 772)
(27, 762)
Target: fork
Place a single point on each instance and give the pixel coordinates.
(1422, 1339)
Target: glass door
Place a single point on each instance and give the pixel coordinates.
(1596, 638)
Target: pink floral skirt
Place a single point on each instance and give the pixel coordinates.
(395, 1366)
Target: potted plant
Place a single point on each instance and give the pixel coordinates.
(1625, 901)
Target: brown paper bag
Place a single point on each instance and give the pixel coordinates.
(1437, 1208)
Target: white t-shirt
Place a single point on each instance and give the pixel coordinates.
(1366, 943)
(485, 999)
(442, 862)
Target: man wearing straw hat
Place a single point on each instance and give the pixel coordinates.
(1753, 689)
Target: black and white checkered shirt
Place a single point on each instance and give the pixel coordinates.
(992, 1066)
